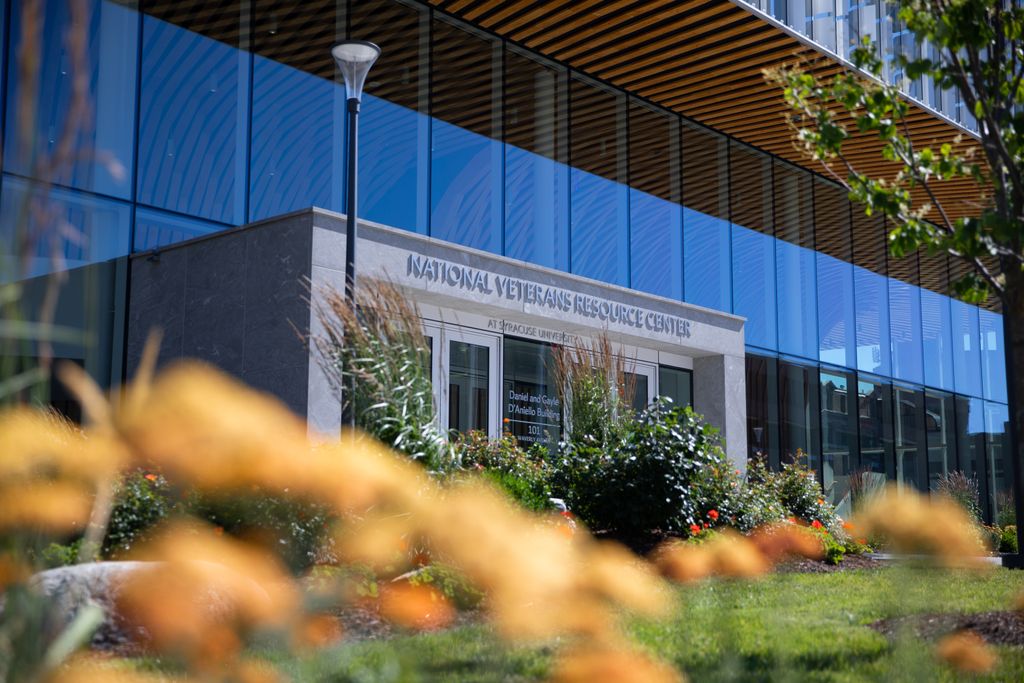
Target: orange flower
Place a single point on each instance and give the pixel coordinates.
(713, 514)
(151, 477)
(817, 525)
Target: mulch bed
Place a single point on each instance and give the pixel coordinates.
(997, 628)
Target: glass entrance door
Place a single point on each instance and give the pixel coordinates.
(469, 382)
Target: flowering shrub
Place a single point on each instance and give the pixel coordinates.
(664, 474)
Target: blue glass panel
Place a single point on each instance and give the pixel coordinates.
(836, 317)
(465, 188)
(656, 245)
(536, 208)
(872, 306)
(753, 283)
(192, 141)
(600, 240)
(905, 318)
(101, 154)
(67, 230)
(966, 348)
(706, 254)
(155, 229)
(993, 360)
(297, 141)
(797, 304)
(937, 340)
(393, 143)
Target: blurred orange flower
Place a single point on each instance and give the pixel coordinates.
(965, 651)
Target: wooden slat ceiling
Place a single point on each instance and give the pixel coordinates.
(702, 59)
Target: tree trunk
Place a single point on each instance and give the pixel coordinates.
(1013, 343)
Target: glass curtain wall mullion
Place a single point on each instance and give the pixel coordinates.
(799, 418)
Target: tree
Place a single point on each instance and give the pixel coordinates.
(977, 49)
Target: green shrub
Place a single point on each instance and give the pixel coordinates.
(835, 551)
(141, 499)
(757, 501)
(666, 472)
(522, 474)
(1008, 539)
(60, 554)
(295, 530)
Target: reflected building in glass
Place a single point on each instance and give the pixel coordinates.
(519, 129)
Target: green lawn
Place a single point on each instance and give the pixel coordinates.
(791, 627)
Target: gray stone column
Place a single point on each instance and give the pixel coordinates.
(720, 395)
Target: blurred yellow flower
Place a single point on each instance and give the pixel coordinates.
(50, 506)
(200, 587)
(914, 523)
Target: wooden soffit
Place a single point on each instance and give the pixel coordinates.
(704, 60)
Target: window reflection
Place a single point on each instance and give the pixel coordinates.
(838, 438)
(468, 380)
(871, 290)
(394, 129)
(874, 416)
(194, 107)
(101, 155)
(35, 242)
(676, 384)
(753, 245)
(795, 266)
(536, 154)
(905, 318)
(909, 437)
(997, 458)
(966, 348)
(655, 215)
(600, 197)
(465, 162)
(154, 229)
(940, 426)
(993, 359)
(798, 415)
(836, 327)
(763, 409)
(706, 239)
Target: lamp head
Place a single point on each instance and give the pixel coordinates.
(354, 59)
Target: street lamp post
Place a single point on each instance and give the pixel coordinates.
(354, 59)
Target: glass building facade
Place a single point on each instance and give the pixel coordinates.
(199, 120)
(838, 26)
